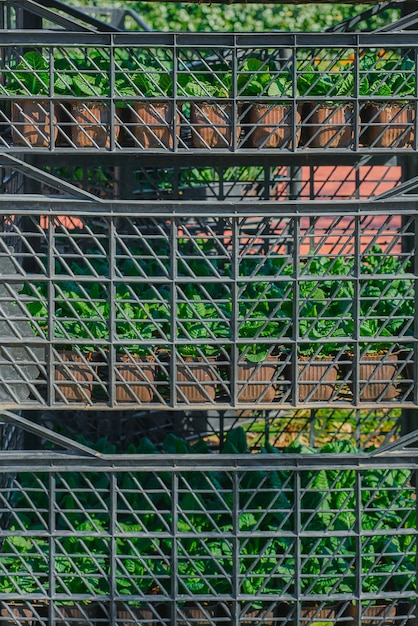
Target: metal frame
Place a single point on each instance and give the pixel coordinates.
(154, 509)
(188, 51)
(132, 267)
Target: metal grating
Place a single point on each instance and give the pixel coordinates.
(117, 309)
(205, 92)
(214, 539)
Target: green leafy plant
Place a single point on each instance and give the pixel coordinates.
(214, 84)
(384, 74)
(256, 78)
(31, 76)
(153, 82)
(313, 81)
(86, 75)
(317, 325)
(140, 320)
(202, 324)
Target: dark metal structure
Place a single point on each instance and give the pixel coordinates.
(160, 213)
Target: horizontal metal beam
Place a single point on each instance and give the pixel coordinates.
(402, 39)
(39, 205)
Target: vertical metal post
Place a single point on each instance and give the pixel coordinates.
(409, 165)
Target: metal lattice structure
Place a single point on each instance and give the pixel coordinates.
(208, 284)
(214, 539)
(182, 93)
(221, 287)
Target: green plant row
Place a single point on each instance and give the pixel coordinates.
(212, 510)
(142, 74)
(205, 313)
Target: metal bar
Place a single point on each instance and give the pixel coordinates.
(46, 433)
(36, 174)
(364, 15)
(33, 7)
(394, 446)
(398, 191)
(82, 15)
(404, 22)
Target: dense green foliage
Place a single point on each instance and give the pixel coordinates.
(220, 516)
(243, 17)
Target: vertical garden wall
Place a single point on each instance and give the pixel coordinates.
(207, 299)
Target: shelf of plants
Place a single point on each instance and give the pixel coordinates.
(200, 92)
(180, 536)
(167, 251)
(200, 306)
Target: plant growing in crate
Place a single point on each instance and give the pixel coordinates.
(79, 326)
(153, 116)
(140, 318)
(271, 122)
(387, 76)
(34, 115)
(201, 325)
(383, 295)
(322, 306)
(87, 122)
(262, 325)
(329, 123)
(211, 120)
(141, 570)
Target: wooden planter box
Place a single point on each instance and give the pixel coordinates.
(387, 126)
(73, 377)
(77, 615)
(153, 124)
(381, 614)
(328, 126)
(134, 378)
(317, 379)
(90, 125)
(197, 614)
(196, 381)
(377, 376)
(272, 126)
(13, 613)
(211, 125)
(134, 615)
(31, 123)
(255, 381)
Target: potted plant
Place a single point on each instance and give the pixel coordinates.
(80, 321)
(211, 111)
(24, 565)
(258, 362)
(138, 322)
(317, 360)
(139, 568)
(34, 114)
(201, 326)
(270, 122)
(87, 123)
(388, 82)
(319, 332)
(81, 572)
(204, 567)
(377, 364)
(385, 291)
(328, 123)
(152, 119)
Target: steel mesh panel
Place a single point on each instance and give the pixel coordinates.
(185, 93)
(123, 311)
(306, 538)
